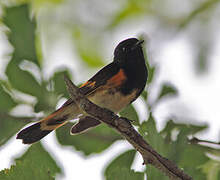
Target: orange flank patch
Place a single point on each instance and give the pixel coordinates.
(89, 84)
(117, 79)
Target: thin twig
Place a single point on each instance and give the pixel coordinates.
(195, 140)
(202, 8)
(124, 127)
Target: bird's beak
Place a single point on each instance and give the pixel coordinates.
(138, 44)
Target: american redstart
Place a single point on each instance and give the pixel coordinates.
(114, 87)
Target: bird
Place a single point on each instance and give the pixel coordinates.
(114, 87)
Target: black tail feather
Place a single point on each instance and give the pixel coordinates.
(32, 134)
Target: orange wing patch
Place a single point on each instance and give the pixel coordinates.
(44, 122)
(88, 84)
(117, 79)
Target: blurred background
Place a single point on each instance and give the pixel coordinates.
(41, 40)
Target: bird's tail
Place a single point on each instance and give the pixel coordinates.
(42, 128)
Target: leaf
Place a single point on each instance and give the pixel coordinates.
(148, 126)
(59, 84)
(189, 129)
(154, 173)
(88, 47)
(35, 164)
(9, 126)
(167, 89)
(212, 170)
(124, 160)
(190, 158)
(23, 81)
(151, 135)
(94, 140)
(130, 9)
(144, 94)
(130, 113)
(125, 174)
(47, 100)
(22, 33)
(151, 73)
(6, 101)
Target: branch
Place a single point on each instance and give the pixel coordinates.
(195, 140)
(124, 127)
(202, 7)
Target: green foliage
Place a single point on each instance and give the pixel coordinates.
(153, 173)
(35, 164)
(119, 168)
(22, 38)
(175, 147)
(122, 173)
(130, 113)
(88, 48)
(144, 94)
(6, 103)
(124, 160)
(151, 72)
(130, 9)
(23, 81)
(150, 133)
(95, 140)
(22, 33)
(212, 169)
(10, 126)
(167, 89)
(187, 156)
(59, 84)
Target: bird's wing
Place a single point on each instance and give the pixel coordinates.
(109, 76)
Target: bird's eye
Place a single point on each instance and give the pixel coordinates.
(123, 49)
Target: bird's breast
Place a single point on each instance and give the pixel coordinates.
(112, 99)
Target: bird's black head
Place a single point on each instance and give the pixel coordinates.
(128, 50)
